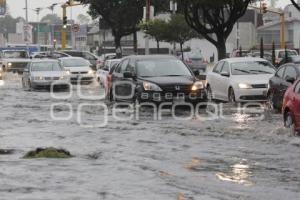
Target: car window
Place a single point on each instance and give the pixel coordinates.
(218, 67)
(225, 68)
(290, 72)
(297, 88)
(280, 72)
(106, 66)
(89, 56)
(124, 65)
(252, 68)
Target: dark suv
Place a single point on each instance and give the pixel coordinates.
(155, 79)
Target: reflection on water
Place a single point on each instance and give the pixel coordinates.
(239, 173)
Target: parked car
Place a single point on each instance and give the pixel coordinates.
(291, 107)
(43, 73)
(280, 54)
(279, 83)
(92, 58)
(49, 54)
(290, 59)
(80, 69)
(14, 60)
(156, 79)
(239, 53)
(195, 61)
(267, 55)
(239, 79)
(101, 74)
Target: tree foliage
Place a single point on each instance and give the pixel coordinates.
(8, 24)
(214, 19)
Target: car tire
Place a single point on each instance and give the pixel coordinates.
(231, 96)
(290, 123)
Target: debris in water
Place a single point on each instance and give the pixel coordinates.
(48, 153)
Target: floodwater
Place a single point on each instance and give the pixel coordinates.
(235, 157)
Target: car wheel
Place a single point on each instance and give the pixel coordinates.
(231, 96)
(209, 94)
(289, 123)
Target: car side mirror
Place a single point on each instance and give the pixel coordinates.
(128, 75)
(226, 74)
(290, 80)
(196, 72)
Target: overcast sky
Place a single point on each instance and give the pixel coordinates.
(16, 8)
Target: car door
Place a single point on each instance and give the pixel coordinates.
(296, 103)
(275, 84)
(118, 81)
(223, 82)
(213, 79)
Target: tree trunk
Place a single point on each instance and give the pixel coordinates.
(181, 50)
(118, 46)
(157, 45)
(135, 45)
(221, 47)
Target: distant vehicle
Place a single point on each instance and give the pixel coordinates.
(280, 54)
(49, 54)
(239, 79)
(101, 74)
(155, 79)
(195, 61)
(92, 58)
(80, 69)
(285, 76)
(1, 73)
(44, 73)
(14, 60)
(267, 55)
(238, 53)
(104, 57)
(291, 107)
(290, 59)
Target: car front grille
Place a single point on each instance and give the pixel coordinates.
(18, 65)
(51, 78)
(79, 72)
(254, 98)
(259, 86)
(177, 89)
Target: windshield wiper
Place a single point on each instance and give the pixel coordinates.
(261, 71)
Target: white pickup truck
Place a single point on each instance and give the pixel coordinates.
(14, 60)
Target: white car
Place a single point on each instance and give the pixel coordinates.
(239, 80)
(80, 69)
(101, 74)
(280, 54)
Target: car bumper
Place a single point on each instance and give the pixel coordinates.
(37, 84)
(82, 78)
(248, 95)
(160, 97)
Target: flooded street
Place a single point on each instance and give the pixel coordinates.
(221, 159)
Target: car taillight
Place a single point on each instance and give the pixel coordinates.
(188, 61)
(277, 62)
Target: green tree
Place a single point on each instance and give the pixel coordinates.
(178, 31)
(214, 19)
(122, 16)
(8, 24)
(155, 29)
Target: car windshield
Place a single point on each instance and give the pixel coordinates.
(15, 54)
(289, 53)
(195, 55)
(252, 68)
(45, 66)
(162, 67)
(75, 63)
(296, 59)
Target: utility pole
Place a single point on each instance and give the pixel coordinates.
(26, 18)
(148, 7)
(52, 25)
(173, 8)
(38, 10)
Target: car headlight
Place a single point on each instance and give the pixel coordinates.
(151, 87)
(9, 64)
(91, 72)
(39, 78)
(68, 72)
(245, 86)
(62, 78)
(197, 86)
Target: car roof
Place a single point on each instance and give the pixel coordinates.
(243, 59)
(44, 60)
(113, 60)
(71, 58)
(147, 57)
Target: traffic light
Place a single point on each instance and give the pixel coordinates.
(264, 7)
(65, 20)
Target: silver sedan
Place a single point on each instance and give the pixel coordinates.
(44, 74)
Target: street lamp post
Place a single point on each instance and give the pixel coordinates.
(148, 4)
